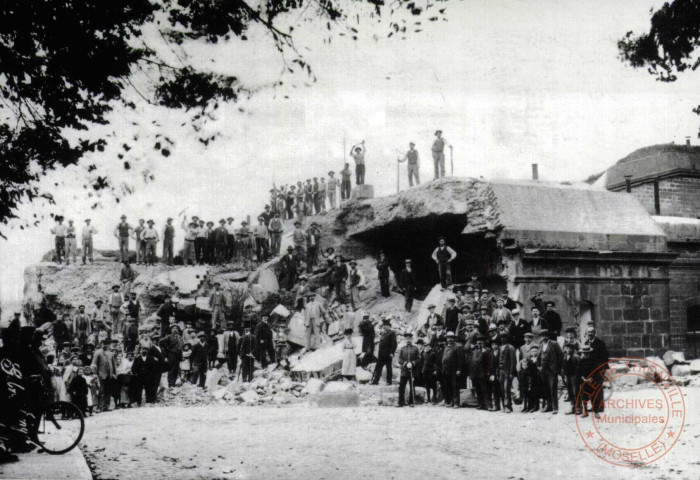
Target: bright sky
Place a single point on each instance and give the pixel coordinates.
(510, 82)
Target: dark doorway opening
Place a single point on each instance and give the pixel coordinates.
(417, 238)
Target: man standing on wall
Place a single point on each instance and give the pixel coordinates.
(357, 152)
(276, 229)
(60, 232)
(413, 164)
(140, 244)
(408, 282)
(383, 274)
(168, 241)
(443, 256)
(439, 154)
(331, 186)
(88, 232)
(122, 233)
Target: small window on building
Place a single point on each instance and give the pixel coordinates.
(694, 318)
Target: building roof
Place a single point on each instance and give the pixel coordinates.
(549, 215)
(649, 163)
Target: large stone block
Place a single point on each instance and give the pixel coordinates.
(337, 399)
(361, 192)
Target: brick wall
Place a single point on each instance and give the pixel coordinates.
(678, 196)
(684, 291)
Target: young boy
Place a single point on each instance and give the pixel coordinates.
(532, 397)
(281, 346)
(569, 368)
(185, 366)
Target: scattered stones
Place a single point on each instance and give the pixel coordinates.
(695, 366)
(674, 358)
(337, 399)
(680, 370)
(313, 386)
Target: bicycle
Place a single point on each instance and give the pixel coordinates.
(59, 425)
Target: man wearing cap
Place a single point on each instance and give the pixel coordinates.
(188, 251)
(321, 196)
(522, 353)
(314, 317)
(385, 352)
(81, 326)
(246, 348)
(506, 371)
(480, 371)
(538, 302)
(383, 274)
(452, 316)
(357, 152)
(339, 276)
(538, 323)
(413, 160)
(210, 248)
(600, 358)
(308, 198)
(131, 334)
(168, 241)
(331, 188)
(408, 283)
(409, 361)
(172, 347)
(266, 214)
(261, 239)
(443, 257)
(438, 150)
(568, 370)
(433, 318)
(230, 342)
(482, 319)
(59, 232)
(452, 368)
(200, 242)
(216, 305)
(299, 240)
(71, 242)
(143, 371)
(552, 318)
(276, 228)
(366, 328)
(264, 344)
(356, 279)
(62, 331)
(474, 283)
(549, 364)
(149, 238)
(520, 328)
(313, 236)
(103, 364)
(86, 237)
(140, 244)
(501, 315)
(346, 182)
(303, 290)
(164, 313)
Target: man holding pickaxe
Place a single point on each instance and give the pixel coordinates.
(409, 356)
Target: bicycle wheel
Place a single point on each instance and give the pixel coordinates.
(61, 427)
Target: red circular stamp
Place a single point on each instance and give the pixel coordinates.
(630, 427)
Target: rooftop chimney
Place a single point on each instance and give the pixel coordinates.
(628, 183)
(534, 172)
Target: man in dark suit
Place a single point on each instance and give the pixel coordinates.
(290, 264)
(145, 375)
(452, 367)
(549, 363)
(172, 347)
(385, 354)
(103, 364)
(366, 328)
(264, 346)
(158, 355)
(434, 318)
(599, 359)
(246, 347)
(452, 316)
(506, 371)
(521, 327)
(199, 360)
(552, 317)
(408, 283)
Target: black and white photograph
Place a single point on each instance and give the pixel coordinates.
(349, 239)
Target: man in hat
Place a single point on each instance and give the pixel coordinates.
(520, 327)
(264, 345)
(115, 301)
(230, 239)
(216, 304)
(549, 364)
(164, 313)
(103, 363)
(408, 283)
(100, 313)
(452, 316)
(599, 358)
(289, 266)
(246, 348)
(589, 388)
(299, 240)
(429, 372)
(433, 318)
(188, 251)
(385, 353)
(533, 390)
(443, 257)
(552, 318)
(314, 317)
(438, 150)
(357, 152)
(145, 373)
(168, 241)
(339, 276)
(266, 214)
(502, 316)
(413, 160)
(59, 232)
(210, 245)
(331, 187)
(126, 277)
(321, 196)
(366, 328)
(356, 279)
(200, 241)
(383, 274)
(571, 381)
(313, 236)
(409, 362)
(507, 361)
(262, 239)
(452, 367)
(132, 308)
(538, 302)
(230, 341)
(508, 302)
(149, 238)
(474, 283)
(81, 326)
(140, 244)
(172, 348)
(522, 353)
(131, 334)
(276, 228)
(346, 182)
(86, 237)
(62, 331)
(480, 371)
(303, 290)
(538, 323)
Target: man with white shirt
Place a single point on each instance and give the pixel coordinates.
(355, 280)
(168, 241)
(230, 238)
(88, 232)
(443, 256)
(438, 150)
(150, 238)
(140, 244)
(59, 231)
(261, 236)
(71, 242)
(331, 188)
(188, 252)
